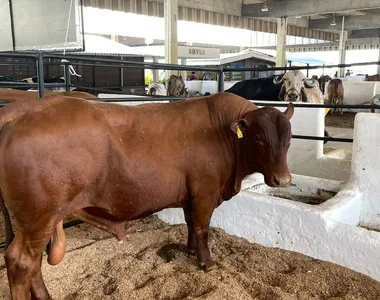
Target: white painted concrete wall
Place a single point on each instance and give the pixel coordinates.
(365, 170)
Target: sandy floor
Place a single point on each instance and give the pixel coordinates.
(152, 264)
(341, 121)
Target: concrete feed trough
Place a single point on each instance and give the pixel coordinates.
(298, 192)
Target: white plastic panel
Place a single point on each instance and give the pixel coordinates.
(5, 27)
(41, 25)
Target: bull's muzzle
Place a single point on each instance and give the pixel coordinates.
(292, 97)
(282, 180)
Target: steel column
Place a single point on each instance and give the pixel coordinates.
(40, 75)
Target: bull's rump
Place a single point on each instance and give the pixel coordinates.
(67, 153)
(335, 89)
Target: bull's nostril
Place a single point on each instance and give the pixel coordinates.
(282, 181)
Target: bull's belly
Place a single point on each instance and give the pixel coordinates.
(135, 201)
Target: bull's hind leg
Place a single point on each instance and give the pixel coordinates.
(38, 289)
(23, 261)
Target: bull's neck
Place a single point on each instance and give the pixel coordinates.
(230, 109)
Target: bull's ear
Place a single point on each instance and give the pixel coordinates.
(289, 111)
(241, 124)
(282, 93)
(303, 95)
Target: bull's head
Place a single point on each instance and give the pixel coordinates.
(176, 86)
(293, 86)
(265, 135)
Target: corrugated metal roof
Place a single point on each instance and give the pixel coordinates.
(95, 44)
(297, 57)
(226, 58)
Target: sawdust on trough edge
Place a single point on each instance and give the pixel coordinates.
(153, 264)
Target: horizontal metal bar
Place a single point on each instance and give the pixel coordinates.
(301, 67)
(19, 63)
(72, 223)
(146, 66)
(309, 105)
(317, 138)
(306, 105)
(134, 63)
(31, 85)
(18, 54)
(180, 67)
(186, 67)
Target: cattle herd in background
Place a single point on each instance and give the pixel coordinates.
(291, 86)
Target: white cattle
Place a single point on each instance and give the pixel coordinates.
(296, 88)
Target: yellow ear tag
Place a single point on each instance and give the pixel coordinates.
(239, 133)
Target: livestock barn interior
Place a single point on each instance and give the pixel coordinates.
(122, 183)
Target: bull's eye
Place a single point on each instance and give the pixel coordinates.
(257, 137)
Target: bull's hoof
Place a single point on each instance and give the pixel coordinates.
(191, 251)
(208, 266)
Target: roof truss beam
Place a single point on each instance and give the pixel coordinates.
(350, 23)
(294, 8)
(364, 33)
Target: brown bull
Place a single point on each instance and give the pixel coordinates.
(108, 164)
(375, 77)
(335, 93)
(10, 95)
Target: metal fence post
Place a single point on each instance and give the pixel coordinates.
(221, 80)
(40, 75)
(67, 76)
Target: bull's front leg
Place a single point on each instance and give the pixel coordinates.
(202, 210)
(191, 239)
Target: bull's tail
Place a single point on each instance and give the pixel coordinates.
(9, 235)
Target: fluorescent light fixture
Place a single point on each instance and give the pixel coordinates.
(265, 6)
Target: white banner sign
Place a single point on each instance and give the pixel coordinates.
(198, 52)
